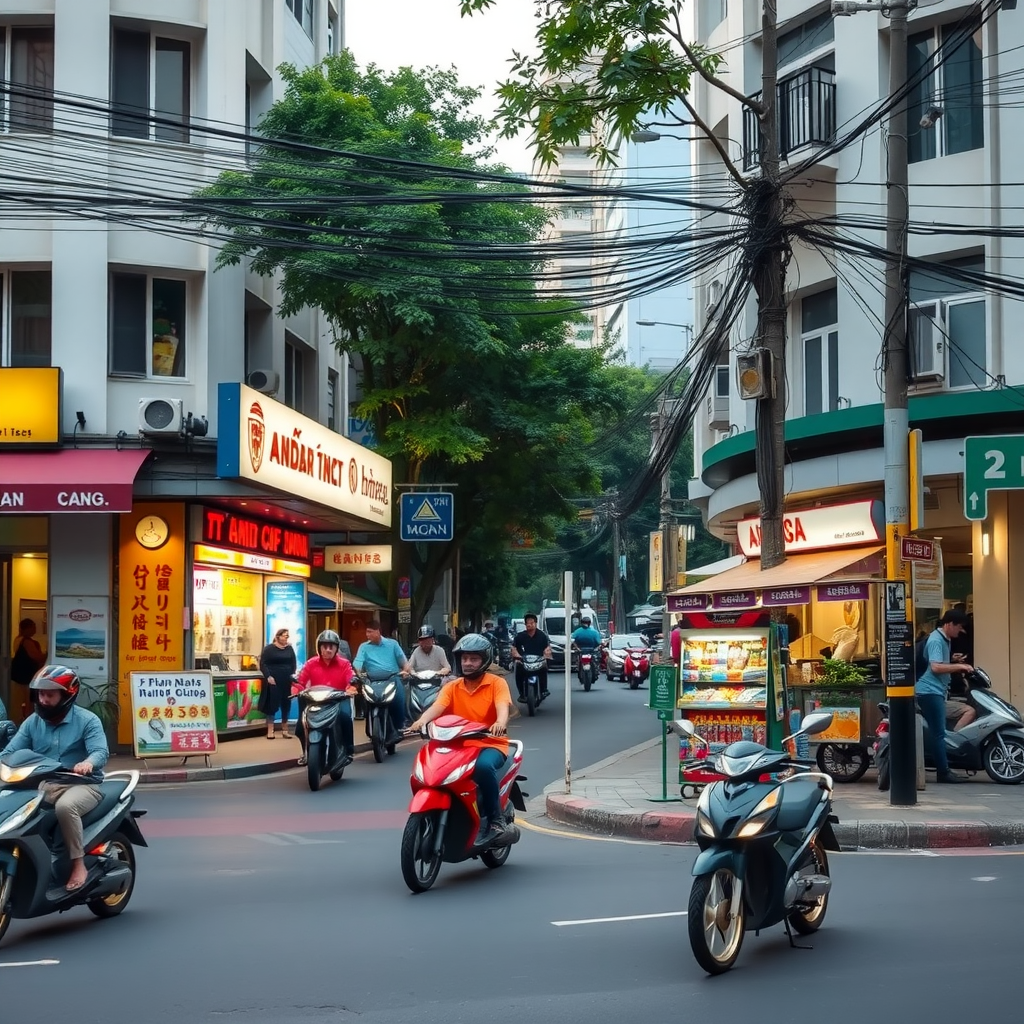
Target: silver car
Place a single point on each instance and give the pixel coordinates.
(619, 646)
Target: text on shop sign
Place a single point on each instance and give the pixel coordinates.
(226, 529)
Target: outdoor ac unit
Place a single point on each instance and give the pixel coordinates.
(267, 381)
(714, 296)
(926, 344)
(160, 415)
(718, 412)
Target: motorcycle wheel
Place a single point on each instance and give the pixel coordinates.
(337, 774)
(420, 836)
(715, 937)
(111, 906)
(531, 701)
(807, 921)
(845, 762)
(587, 683)
(883, 772)
(377, 738)
(314, 765)
(634, 684)
(1005, 768)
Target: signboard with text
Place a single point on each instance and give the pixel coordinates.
(357, 558)
(991, 464)
(427, 516)
(820, 529)
(172, 714)
(30, 406)
(663, 687)
(246, 533)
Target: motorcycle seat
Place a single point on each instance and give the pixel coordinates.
(799, 798)
(111, 791)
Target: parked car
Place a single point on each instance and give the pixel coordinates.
(618, 646)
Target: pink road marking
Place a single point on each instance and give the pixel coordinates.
(337, 821)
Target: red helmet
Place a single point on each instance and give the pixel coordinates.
(55, 677)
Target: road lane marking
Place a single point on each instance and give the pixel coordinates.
(566, 834)
(31, 963)
(292, 839)
(984, 878)
(614, 920)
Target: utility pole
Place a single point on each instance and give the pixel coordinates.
(765, 203)
(618, 617)
(896, 419)
(667, 527)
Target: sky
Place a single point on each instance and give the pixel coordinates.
(422, 33)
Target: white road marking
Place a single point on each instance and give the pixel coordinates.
(984, 878)
(291, 839)
(31, 963)
(613, 920)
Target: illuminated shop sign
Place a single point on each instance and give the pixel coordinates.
(241, 533)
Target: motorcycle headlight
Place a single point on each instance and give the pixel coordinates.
(762, 815)
(9, 774)
(19, 818)
(704, 824)
(417, 770)
(454, 776)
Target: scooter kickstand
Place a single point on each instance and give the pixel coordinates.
(792, 942)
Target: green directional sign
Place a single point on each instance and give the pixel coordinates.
(991, 464)
(663, 687)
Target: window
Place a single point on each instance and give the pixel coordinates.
(26, 66)
(150, 86)
(294, 373)
(806, 38)
(332, 399)
(303, 11)
(710, 14)
(30, 303)
(954, 87)
(946, 328)
(820, 334)
(334, 44)
(147, 326)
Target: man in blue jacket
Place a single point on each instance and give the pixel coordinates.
(382, 658)
(75, 738)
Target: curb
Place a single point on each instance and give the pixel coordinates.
(674, 827)
(156, 776)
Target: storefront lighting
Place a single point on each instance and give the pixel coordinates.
(986, 543)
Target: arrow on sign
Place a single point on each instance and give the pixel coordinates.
(974, 501)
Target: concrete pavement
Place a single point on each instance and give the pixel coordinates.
(616, 797)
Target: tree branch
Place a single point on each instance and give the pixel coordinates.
(716, 142)
(708, 77)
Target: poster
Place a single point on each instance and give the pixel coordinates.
(286, 609)
(927, 586)
(172, 714)
(81, 635)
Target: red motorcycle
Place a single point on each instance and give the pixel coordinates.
(636, 668)
(444, 820)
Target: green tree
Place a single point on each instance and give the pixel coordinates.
(465, 388)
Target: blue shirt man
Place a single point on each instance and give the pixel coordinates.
(586, 637)
(381, 658)
(78, 737)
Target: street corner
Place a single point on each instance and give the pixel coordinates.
(655, 826)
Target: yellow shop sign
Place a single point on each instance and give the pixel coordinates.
(30, 401)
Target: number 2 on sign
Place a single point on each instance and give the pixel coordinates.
(995, 470)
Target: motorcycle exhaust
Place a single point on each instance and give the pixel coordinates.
(112, 883)
(801, 888)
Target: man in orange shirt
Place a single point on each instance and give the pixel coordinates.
(479, 696)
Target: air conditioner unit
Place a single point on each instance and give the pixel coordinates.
(160, 415)
(926, 341)
(714, 296)
(267, 381)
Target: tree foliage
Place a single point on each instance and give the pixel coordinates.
(482, 392)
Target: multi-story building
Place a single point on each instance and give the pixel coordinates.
(966, 369)
(135, 468)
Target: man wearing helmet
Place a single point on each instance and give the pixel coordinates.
(530, 640)
(328, 668)
(479, 696)
(73, 736)
(428, 656)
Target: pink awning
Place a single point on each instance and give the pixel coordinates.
(70, 480)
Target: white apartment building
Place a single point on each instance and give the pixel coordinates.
(112, 335)
(964, 178)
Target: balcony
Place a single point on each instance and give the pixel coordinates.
(806, 114)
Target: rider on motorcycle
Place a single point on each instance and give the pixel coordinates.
(74, 737)
(530, 640)
(328, 668)
(586, 638)
(479, 696)
(428, 656)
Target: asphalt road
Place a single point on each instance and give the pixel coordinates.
(263, 899)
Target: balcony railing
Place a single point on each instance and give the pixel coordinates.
(806, 116)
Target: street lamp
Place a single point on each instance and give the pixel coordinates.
(648, 136)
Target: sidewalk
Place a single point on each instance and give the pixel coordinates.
(614, 797)
(235, 759)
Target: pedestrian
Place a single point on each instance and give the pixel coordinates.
(27, 658)
(932, 686)
(278, 665)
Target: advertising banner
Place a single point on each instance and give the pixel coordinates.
(172, 714)
(81, 635)
(286, 609)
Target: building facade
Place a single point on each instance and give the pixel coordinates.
(966, 369)
(125, 428)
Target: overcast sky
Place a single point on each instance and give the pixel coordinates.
(420, 33)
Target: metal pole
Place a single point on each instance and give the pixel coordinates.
(617, 624)
(668, 540)
(903, 791)
(567, 590)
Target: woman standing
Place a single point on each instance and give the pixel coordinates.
(278, 665)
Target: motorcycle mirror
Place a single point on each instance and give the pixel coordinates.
(682, 727)
(815, 722)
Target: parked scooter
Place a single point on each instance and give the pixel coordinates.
(533, 665)
(326, 752)
(763, 847)
(424, 686)
(444, 823)
(379, 696)
(994, 741)
(636, 668)
(34, 862)
(586, 666)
